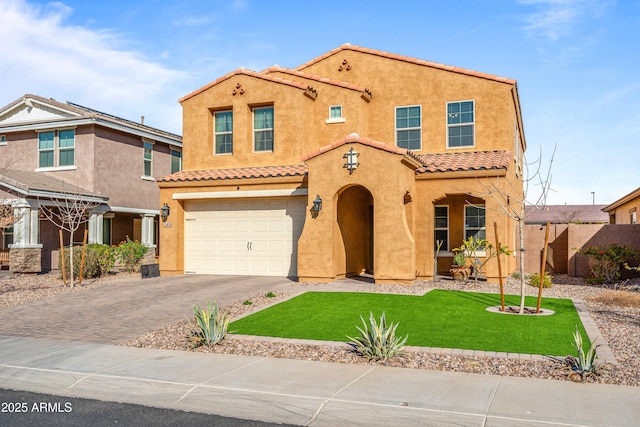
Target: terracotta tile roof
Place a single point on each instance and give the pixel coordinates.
(465, 161)
(318, 78)
(353, 138)
(243, 71)
(564, 214)
(237, 173)
(458, 70)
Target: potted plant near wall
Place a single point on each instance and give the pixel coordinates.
(460, 268)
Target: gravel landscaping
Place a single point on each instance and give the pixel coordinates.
(620, 327)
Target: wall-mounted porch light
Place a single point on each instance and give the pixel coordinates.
(317, 204)
(165, 210)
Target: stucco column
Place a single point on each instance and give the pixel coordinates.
(96, 221)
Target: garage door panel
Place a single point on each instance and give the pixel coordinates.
(257, 237)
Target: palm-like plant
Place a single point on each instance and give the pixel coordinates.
(586, 363)
(377, 340)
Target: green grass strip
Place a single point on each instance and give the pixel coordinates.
(448, 319)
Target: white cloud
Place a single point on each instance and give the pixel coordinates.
(557, 18)
(45, 56)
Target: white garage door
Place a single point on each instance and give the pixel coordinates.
(243, 237)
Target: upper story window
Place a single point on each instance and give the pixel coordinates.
(335, 114)
(460, 124)
(475, 222)
(46, 149)
(66, 145)
(147, 159)
(176, 161)
(409, 127)
(223, 132)
(56, 148)
(517, 149)
(441, 227)
(263, 129)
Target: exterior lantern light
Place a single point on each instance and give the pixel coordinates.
(165, 211)
(317, 204)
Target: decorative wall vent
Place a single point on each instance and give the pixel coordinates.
(238, 90)
(344, 66)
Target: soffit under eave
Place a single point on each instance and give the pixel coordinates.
(482, 173)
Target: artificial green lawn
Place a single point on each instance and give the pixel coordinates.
(448, 319)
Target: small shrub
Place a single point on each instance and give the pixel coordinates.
(212, 325)
(585, 365)
(130, 254)
(377, 340)
(98, 260)
(516, 275)
(534, 280)
(247, 302)
(270, 295)
(605, 261)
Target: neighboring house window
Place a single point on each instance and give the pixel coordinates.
(106, 231)
(475, 222)
(223, 132)
(633, 218)
(148, 158)
(460, 124)
(409, 127)
(441, 228)
(517, 148)
(46, 149)
(3, 140)
(263, 129)
(7, 237)
(176, 161)
(66, 147)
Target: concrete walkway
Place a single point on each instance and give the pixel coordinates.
(304, 392)
(62, 346)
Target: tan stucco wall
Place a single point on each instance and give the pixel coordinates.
(622, 214)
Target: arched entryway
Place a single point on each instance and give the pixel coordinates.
(355, 224)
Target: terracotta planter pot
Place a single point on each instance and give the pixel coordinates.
(461, 273)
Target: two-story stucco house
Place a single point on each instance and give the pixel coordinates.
(357, 161)
(51, 150)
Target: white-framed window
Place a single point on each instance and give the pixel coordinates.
(460, 124)
(475, 222)
(441, 227)
(633, 217)
(56, 148)
(223, 132)
(147, 159)
(7, 237)
(335, 112)
(3, 139)
(263, 129)
(176, 160)
(409, 127)
(66, 147)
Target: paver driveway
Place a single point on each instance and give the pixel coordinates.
(121, 311)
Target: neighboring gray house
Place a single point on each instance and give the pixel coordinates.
(566, 214)
(52, 150)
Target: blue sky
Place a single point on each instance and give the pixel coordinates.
(577, 62)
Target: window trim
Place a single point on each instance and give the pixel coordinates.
(445, 248)
(147, 177)
(472, 124)
(253, 124)
(339, 119)
(57, 150)
(396, 129)
(215, 151)
(175, 150)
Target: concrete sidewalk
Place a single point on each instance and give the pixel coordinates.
(305, 392)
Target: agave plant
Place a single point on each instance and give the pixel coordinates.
(212, 324)
(377, 340)
(586, 363)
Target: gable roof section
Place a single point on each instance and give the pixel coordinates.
(365, 93)
(624, 199)
(236, 173)
(251, 73)
(565, 214)
(33, 184)
(74, 114)
(465, 161)
(348, 46)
